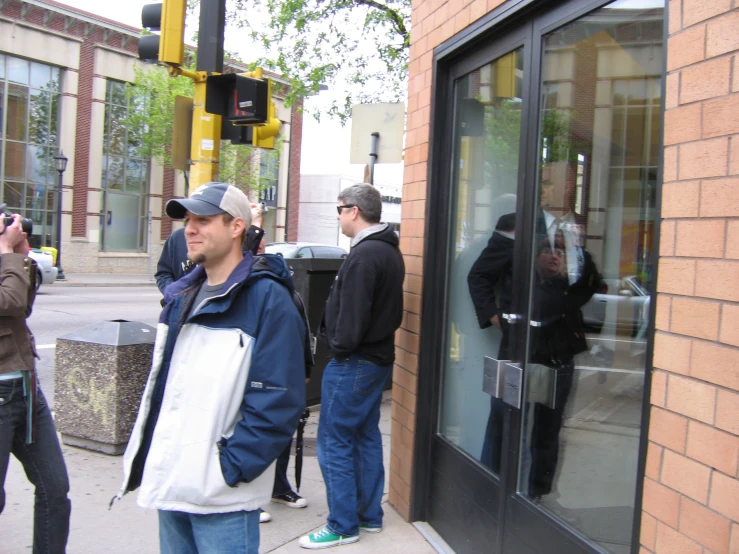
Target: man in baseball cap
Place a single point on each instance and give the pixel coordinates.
(212, 199)
(223, 397)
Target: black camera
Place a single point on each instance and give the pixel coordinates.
(26, 224)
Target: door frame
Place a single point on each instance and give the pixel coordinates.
(465, 50)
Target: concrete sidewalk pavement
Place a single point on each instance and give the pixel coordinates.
(105, 280)
(126, 528)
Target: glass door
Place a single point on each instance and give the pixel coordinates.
(590, 281)
(488, 123)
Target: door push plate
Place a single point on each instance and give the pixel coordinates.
(492, 377)
(542, 387)
(512, 381)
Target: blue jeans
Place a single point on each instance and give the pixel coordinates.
(350, 443)
(43, 463)
(229, 533)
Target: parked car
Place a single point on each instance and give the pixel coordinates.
(46, 270)
(620, 303)
(305, 250)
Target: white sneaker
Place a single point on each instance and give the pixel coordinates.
(264, 517)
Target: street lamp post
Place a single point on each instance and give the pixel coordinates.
(61, 165)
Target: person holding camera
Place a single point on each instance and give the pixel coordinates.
(27, 429)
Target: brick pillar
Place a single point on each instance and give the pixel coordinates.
(293, 207)
(691, 491)
(167, 194)
(82, 141)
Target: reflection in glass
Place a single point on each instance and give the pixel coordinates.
(13, 195)
(488, 131)
(17, 111)
(15, 160)
(592, 277)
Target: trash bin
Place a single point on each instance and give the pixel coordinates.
(313, 278)
(101, 371)
(50, 250)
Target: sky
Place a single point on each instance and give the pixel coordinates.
(326, 145)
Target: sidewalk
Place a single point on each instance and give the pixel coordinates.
(105, 280)
(96, 478)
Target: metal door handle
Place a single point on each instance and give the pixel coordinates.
(492, 376)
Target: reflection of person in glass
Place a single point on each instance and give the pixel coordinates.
(491, 274)
(557, 336)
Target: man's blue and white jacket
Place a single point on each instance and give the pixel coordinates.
(224, 394)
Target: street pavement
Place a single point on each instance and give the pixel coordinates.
(95, 478)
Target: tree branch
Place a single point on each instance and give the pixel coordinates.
(397, 19)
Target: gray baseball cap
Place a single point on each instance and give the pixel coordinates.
(212, 199)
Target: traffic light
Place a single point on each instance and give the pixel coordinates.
(237, 134)
(169, 18)
(238, 99)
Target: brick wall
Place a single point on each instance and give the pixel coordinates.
(432, 22)
(293, 184)
(691, 491)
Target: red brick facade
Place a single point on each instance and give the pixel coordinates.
(691, 487)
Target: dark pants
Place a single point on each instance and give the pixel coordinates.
(42, 462)
(492, 446)
(282, 485)
(545, 436)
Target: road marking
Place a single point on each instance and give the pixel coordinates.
(45, 346)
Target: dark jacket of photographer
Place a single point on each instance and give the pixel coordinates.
(17, 347)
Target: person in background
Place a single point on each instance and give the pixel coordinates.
(363, 311)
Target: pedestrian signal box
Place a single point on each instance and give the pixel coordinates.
(238, 99)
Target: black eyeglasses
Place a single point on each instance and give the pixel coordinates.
(339, 208)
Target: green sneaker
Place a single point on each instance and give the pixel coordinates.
(369, 528)
(326, 539)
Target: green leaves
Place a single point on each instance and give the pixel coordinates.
(358, 48)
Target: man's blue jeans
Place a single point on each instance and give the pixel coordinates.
(42, 462)
(350, 443)
(229, 533)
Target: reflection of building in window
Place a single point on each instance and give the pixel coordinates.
(125, 176)
(29, 116)
(268, 163)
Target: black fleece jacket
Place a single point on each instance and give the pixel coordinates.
(365, 305)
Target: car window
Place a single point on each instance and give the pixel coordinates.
(286, 250)
(304, 252)
(328, 252)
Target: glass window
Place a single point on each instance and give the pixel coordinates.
(17, 70)
(268, 166)
(28, 119)
(125, 175)
(41, 76)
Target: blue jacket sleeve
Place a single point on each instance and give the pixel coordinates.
(275, 390)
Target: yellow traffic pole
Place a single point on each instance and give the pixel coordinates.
(205, 148)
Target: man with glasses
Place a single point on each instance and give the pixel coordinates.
(363, 310)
